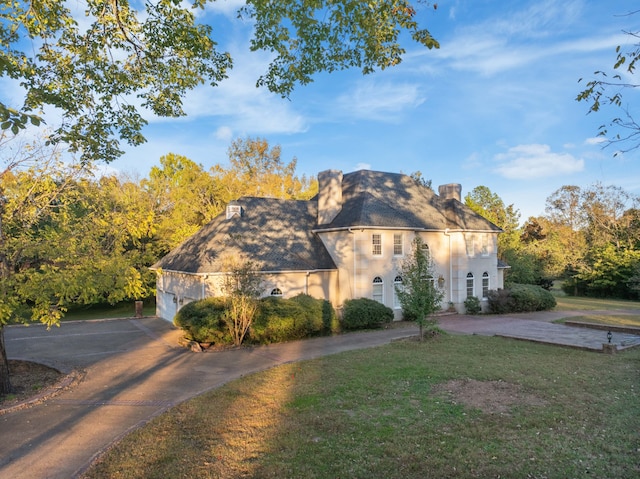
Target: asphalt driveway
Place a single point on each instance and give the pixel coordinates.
(129, 370)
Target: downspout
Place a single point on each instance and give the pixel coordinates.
(306, 283)
(354, 263)
(448, 234)
(204, 281)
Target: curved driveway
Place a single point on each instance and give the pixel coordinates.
(132, 370)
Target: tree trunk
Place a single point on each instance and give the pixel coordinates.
(5, 384)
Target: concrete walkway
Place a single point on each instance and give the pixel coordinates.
(130, 370)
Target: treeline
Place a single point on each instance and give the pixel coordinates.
(72, 236)
(588, 237)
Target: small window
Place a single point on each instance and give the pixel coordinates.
(376, 244)
(276, 292)
(485, 285)
(484, 247)
(469, 285)
(377, 293)
(397, 286)
(398, 249)
(469, 240)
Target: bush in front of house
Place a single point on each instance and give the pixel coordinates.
(320, 315)
(364, 313)
(281, 319)
(472, 305)
(202, 321)
(520, 298)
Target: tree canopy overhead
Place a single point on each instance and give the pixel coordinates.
(104, 65)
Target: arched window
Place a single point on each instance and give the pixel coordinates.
(397, 286)
(470, 287)
(276, 292)
(377, 292)
(485, 285)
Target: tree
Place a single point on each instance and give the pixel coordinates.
(607, 89)
(490, 206)
(419, 296)
(66, 239)
(185, 197)
(257, 169)
(242, 286)
(90, 64)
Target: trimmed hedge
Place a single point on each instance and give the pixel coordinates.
(520, 298)
(202, 321)
(472, 305)
(281, 319)
(364, 313)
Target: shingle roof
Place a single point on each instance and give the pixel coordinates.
(377, 199)
(276, 234)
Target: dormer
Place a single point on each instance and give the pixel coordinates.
(234, 209)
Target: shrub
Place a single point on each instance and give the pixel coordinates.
(519, 298)
(320, 315)
(281, 319)
(364, 313)
(472, 305)
(202, 321)
(500, 301)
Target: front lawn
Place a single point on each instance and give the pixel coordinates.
(451, 407)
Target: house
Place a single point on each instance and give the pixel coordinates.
(347, 242)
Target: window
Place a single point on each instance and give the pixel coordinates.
(376, 244)
(397, 244)
(397, 286)
(378, 290)
(469, 285)
(484, 246)
(485, 285)
(470, 244)
(276, 292)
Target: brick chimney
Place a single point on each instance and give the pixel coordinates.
(451, 191)
(329, 195)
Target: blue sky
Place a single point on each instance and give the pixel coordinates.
(494, 106)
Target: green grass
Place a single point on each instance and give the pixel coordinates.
(106, 311)
(375, 413)
(565, 303)
(614, 320)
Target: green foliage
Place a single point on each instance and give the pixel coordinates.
(365, 313)
(419, 296)
(281, 319)
(203, 321)
(607, 88)
(520, 298)
(158, 51)
(472, 305)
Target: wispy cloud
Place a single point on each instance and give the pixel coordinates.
(380, 101)
(533, 161)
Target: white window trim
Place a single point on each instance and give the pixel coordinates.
(470, 277)
(373, 245)
(397, 283)
(487, 278)
(401, 244)
(377, 282)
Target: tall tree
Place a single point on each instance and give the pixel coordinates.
(184, 196)
(257, 169)
(90, 63)
(66, 239)
(419, 296)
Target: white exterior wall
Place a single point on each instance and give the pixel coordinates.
(174, 290)
(352, 251)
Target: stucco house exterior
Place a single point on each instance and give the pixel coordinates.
(347, 242)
